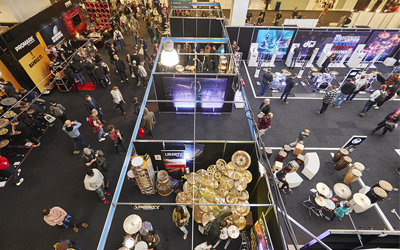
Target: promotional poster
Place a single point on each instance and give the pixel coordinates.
(6, 75)
(387, 41)
(54, 33)
(174, 162)
(342, 41)
(268, 40)
(194, 153)
(260, 238)
(189, 89)
(354, 142)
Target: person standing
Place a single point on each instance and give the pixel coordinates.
(150, 32)
(340, 211)
(278, 18)
(325, 65)
(67, 244)
(106, 72)
(290, 83)
(389, 123)
(118, 99)
(134, 34)
(180, 217)
(328, 98)
(57, 216)
(94, 181)
(77, 68)
(391, 91)
(6, 167)
(88, 65)
(361, 85)
(347, 89)
(281, 176)
(94, 159)
(143, 75)
(267, 79)
(294, 13)
(376, 97)
(112, 52)
(72, 129)
(249, 16)
(300, 138)
(212, 236)
(137, 107)
(143, 47)
(116, 138)
(296, 54)
(97, 125)
(265, 106)
(124, 23)
(148, 121)
(121, 68)
(118, 37)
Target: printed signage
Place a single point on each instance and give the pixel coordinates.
(194, 153)
(54, 33)
(147, 207)
(354, 141)
(174, 162)
(23, 45)
(260, 237)
(181, 4)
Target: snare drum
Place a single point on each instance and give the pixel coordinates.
(137, 162)
(130, 175)
(352, 176)
(343, 163)
(376, 194)
(330, 205)
(224, 62)
(357, 165)
(340, 154)
(384, 185)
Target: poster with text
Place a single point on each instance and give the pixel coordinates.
(268, 40)
(54, 33)
(354, 142)
(6, 75)
(190, 90)
(174, 162)
(386, 41)
(342, 41)
(260, 237)
(194, 153)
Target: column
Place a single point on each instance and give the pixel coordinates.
(24, 9)
(239, 11)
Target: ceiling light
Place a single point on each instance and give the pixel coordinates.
(169, 56)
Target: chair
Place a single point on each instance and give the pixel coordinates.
(311, 165)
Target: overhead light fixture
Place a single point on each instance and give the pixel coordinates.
(169, 56)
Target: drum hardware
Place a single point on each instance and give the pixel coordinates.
(146, 227)
(3, 131)
(287, 73)
(311, 208)
(394, 211)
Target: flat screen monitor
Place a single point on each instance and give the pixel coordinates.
(76, 20)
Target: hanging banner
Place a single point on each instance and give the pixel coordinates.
(23, 45)
(194, 153)
(54, 33)
(180, 4)
(386, 41)
(6, 75)
(260, 238)
(354, 141)
(174, 162)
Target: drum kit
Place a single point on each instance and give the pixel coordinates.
(322, 80)
(135, 230)
(222, 183)
(279, 79)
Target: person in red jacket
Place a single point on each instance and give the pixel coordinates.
(264, 123)
(116, 138)
(5, 166)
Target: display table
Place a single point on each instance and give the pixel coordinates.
(301, 23)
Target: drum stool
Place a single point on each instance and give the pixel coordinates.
(281, 156)
(300, 159)
(298, 149)
(277, 166)
(287, 148)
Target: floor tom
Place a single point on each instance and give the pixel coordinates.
(376, 194)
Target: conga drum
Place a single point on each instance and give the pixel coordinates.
(340, 154)
(384, 185)
(376, 194)
(357, 165)
(352, 176)
(343, 163)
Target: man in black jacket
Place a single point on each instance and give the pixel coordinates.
(71, 79)
(88, 65)
(67, 48)
(121, 68)
(290, 83)
(267, 79)
(9, 88)
(138, 105)
(91, 104)
(212, 230)
(347, 89)
(100, 77)
(265, 106)
(77, 68)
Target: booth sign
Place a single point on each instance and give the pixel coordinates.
(181, 4)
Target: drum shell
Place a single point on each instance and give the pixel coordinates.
(352, 176)
(374, 196)
(380, 186)
(343, 163)
(164, 183)
(338, 156)
(354, 166)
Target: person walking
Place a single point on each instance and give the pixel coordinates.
(180, 216)
(148, 121)
(290, 83)
(150, 32)
(389, 123)
(112, 52)
(325, 64)
(267, 79)
(143, 75)
(67, 244)
(361, 85)
(118, 37)
(296, 54)
(94, 181)
(57, 216)
(265, 106)
(328, 98)
(281, 176)
(91, 104)
(121, 68)
(94, 122)
(376, 97)
(116, 138)
(300, 138)
(94, 159)
(106, 72)
(57, 110)
(346, 89)
(391, 91)
(118, 99)
(137, 107)
(72, 129)
(6, 167)
(264, 123)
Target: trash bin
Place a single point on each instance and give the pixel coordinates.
(278, 6)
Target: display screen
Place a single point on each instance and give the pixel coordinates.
(342, 41)
(76, 20)
(268, 40)
(189, 89)
(387, 41)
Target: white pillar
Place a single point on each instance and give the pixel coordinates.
(239, 11)
(24, 9)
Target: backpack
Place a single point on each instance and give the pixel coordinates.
(57, 110)
(363, 88)
(90, 121)
(89, 66)
(380, 98)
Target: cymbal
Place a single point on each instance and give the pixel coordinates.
(217, 175)
(189, 188)
(234, 193)
(273, 75)
(211, 169)
(241, 160)
(317, 74)
(204, 208)
(181, 197)
(198, 214)
(4, 143)
(287, 73)
(206, 218)
(323, 189)
(314, 69)
(233, 174)
(374, 73)
(31, 111)
(361, 199)
(9, 114)
(3, 122)
(234, 217)
(209, 195)
(242, 210)
(146, 225)
(244, 195)
(230, 200)
(230, 166)
(220, 200)
(196, 201)
(3, 131)
(320, 201)
(222, 192)
(284, 70)
(207, 180)
(199, 175)
(334, 73)
(216, 211)
(191, 178)
(215, 184)
(240, 186)
(220, 164)
(132, 224)
(342, 190)
(233, 231)
(241, 223)
(246, 176)
(226, 183)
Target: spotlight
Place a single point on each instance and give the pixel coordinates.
(169, 56)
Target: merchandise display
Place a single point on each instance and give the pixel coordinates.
(143, 171)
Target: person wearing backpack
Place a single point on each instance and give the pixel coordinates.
(391, 91)
(361, 85)
(389, 123)
(118, 37)
(97, 126)
(57, 110)
(376, 97)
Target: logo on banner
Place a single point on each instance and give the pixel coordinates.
(174, 161)
(25, 43)
(309, 44)
(35, 61)
(57, 34)
(174, 154)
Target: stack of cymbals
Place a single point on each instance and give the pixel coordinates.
(222, 183)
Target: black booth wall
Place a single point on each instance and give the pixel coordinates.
(196, 27)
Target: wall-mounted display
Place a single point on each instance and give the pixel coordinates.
(387, 41)
(268, 40)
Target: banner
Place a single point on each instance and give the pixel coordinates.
(181, 4)
(342, 40)
(54, 33)
(353, 142)
(268, 40)
(23, 45)
(260, 238)
(387, 41)
(194, 153)
(6, 75)
(174, 162)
